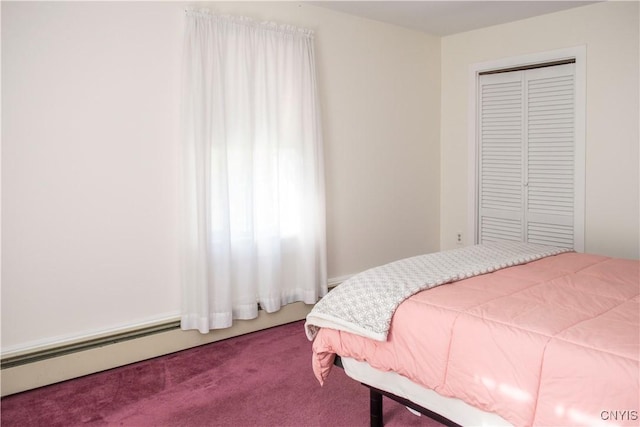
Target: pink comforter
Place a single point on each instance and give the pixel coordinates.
(553, 342)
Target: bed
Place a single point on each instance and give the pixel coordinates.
(501, 334)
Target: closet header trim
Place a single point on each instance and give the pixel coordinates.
(529, 67)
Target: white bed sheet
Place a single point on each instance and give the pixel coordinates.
(454, 409)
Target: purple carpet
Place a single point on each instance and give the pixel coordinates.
(259, 379)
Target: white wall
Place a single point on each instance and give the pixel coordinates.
(610, 32)
(90, 97)
(90, 140)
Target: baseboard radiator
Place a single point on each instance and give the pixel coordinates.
(32, 369)
(62, 350)
(60, 363)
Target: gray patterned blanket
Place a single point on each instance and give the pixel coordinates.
(364, 304)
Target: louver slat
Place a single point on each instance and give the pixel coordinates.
(496, 229)
(548, 234)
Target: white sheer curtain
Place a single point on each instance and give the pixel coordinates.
(255, 213)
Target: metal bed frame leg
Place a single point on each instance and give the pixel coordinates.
(375, 408)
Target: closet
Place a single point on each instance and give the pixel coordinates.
(526, 171)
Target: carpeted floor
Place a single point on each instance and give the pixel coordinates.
(259, 379)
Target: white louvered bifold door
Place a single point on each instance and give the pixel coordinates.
(526, 156)
(549, 186)
(501, 199)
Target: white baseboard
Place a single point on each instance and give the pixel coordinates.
(73, 365)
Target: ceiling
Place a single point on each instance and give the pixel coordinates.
(444, 18)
